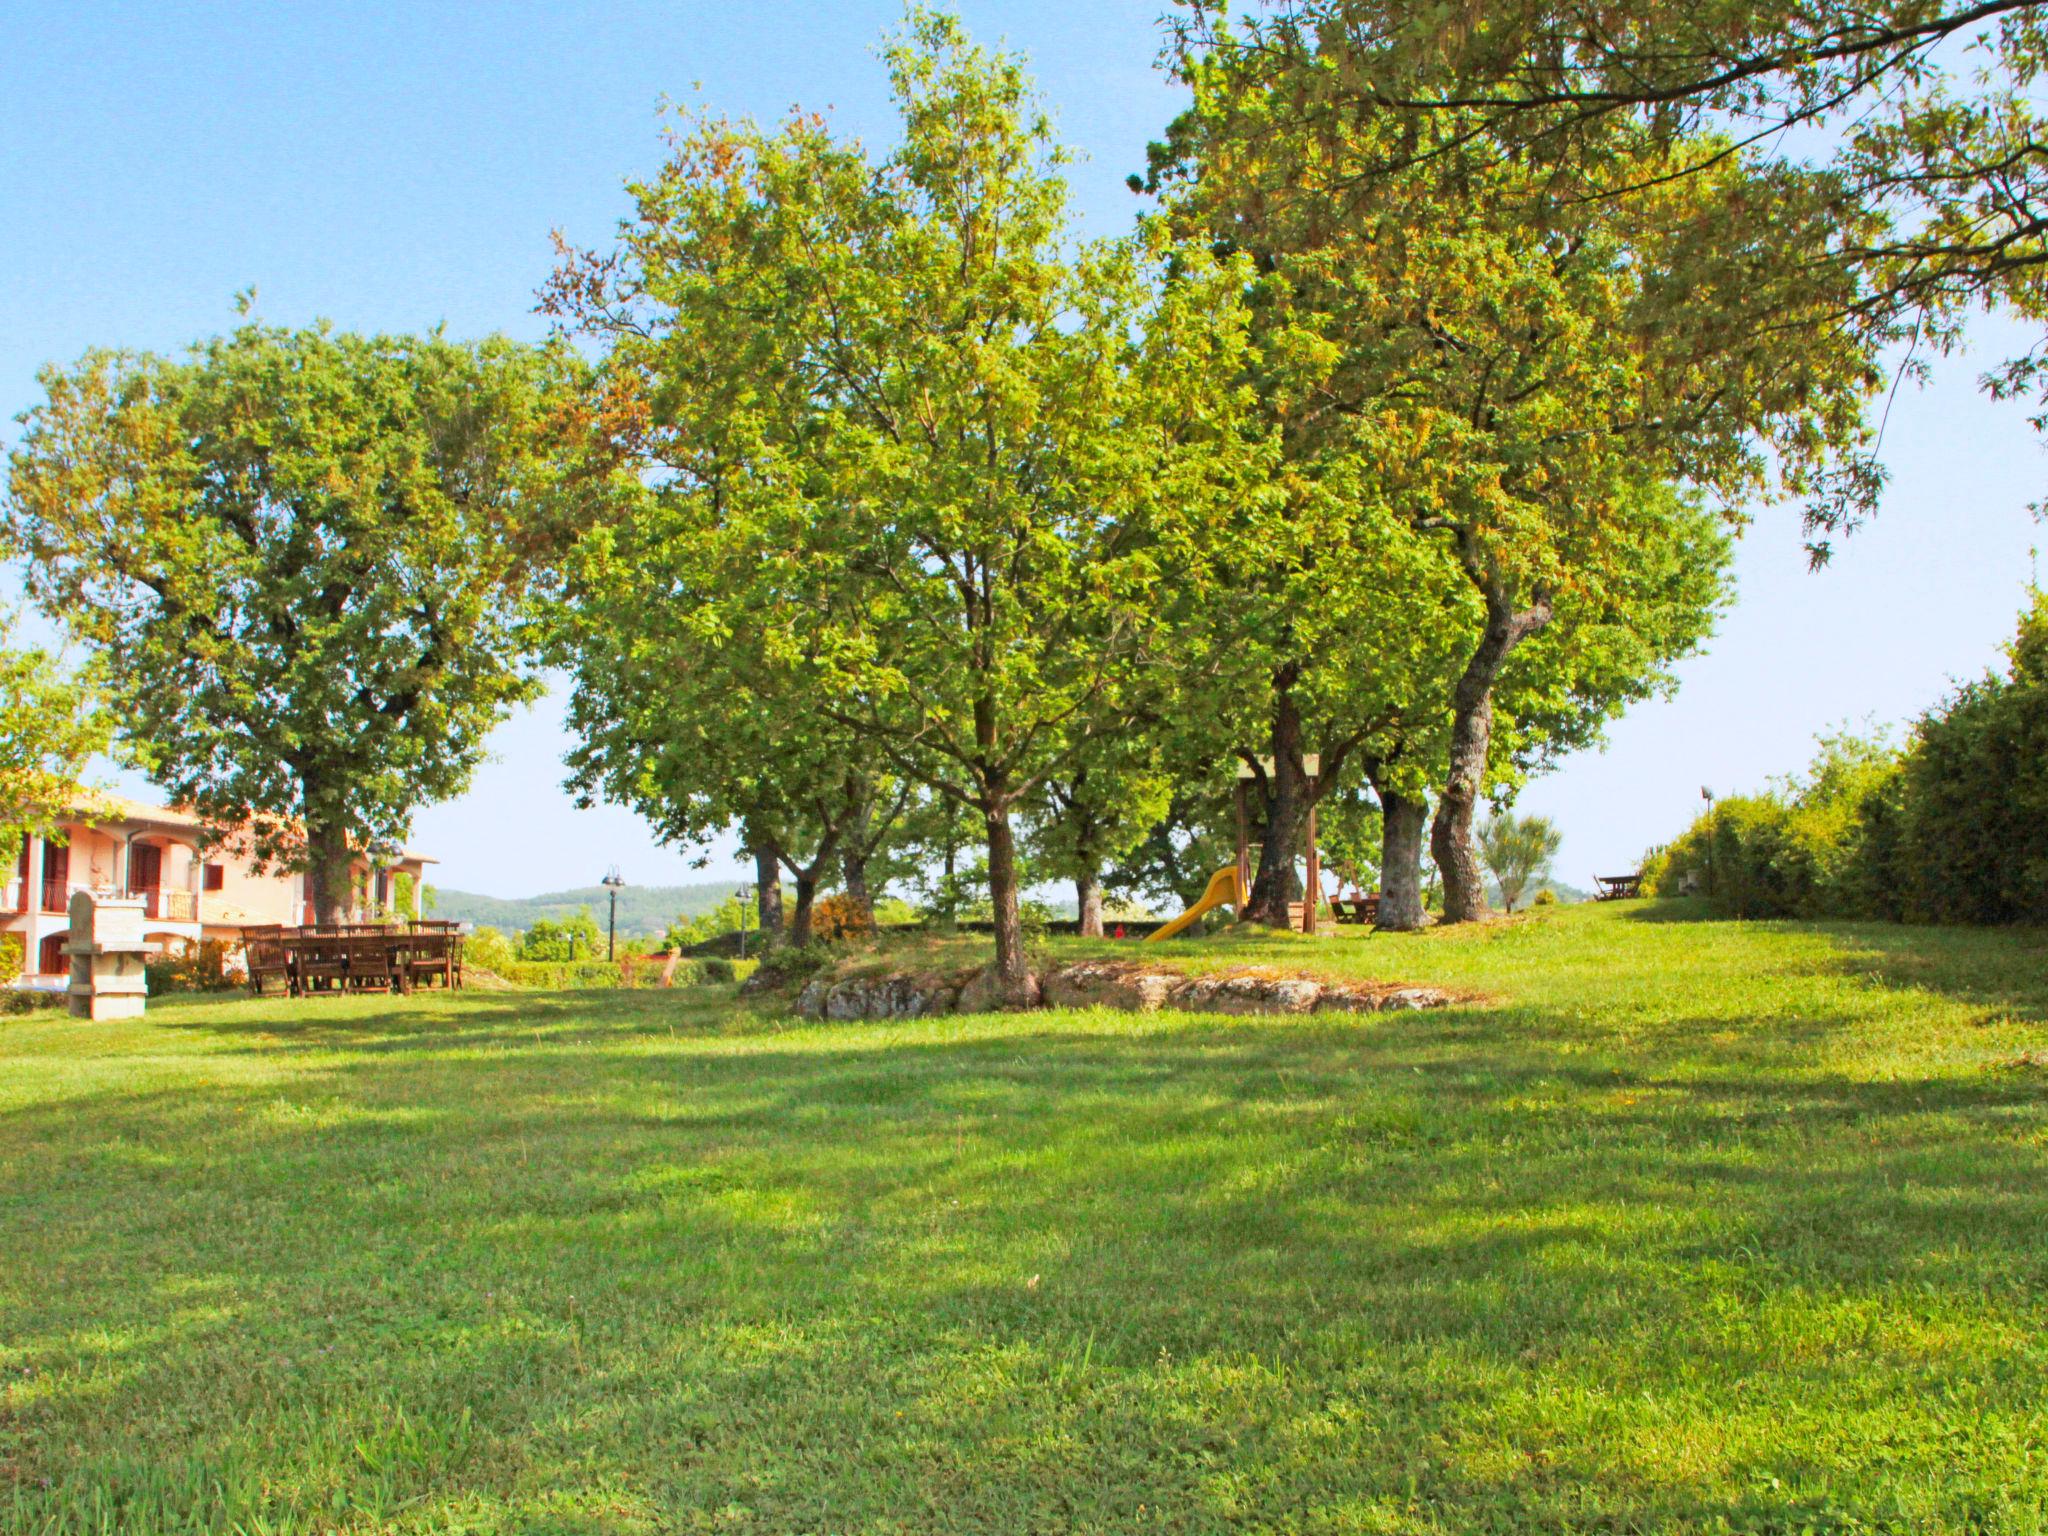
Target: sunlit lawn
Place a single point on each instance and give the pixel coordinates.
(1689, 1227)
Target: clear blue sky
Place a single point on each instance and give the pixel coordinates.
(399, 166)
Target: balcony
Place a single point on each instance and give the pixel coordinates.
(169, 906)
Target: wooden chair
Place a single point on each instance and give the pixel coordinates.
(430, 955)
(323, 963)
(267, 959)
(371, 963)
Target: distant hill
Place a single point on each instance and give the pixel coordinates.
(643, 909)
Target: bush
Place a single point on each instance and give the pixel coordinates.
(839, 917)
(1952, 829)
(200, 967)
(1544, 898)
(575, 938)
(557, 975)
(716, 968)
(12, 948)
(790, 965)
(19, 1000)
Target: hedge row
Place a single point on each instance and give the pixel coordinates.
(1953, 828)
(568, 975)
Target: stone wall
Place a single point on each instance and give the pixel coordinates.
(1122, 985)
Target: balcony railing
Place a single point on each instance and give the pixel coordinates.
(157, 906)
(169, 906)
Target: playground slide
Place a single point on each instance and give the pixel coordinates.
(1222, 888)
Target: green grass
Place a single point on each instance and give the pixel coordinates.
(1689, 1227)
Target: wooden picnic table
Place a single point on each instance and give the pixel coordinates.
(1356, 909)
(1619, 887)
(356, 957)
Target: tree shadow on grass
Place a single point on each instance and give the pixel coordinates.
(1041, 1275)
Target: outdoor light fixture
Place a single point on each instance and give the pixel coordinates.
(613, 880)
(741, 896)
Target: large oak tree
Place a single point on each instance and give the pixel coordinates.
(959, 466)
(304, 556)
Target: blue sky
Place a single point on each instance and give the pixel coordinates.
(396, 167)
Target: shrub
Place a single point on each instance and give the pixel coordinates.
(488, 950)
(18, 1000)
(1544, 898)
(558, 975)
(839, 917)
(11, 950)
(791, 965)
(716, 968)
(200, 967)
(575, 938)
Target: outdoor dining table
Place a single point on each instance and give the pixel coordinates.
(358, 958)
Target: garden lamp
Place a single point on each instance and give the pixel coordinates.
(613, 880)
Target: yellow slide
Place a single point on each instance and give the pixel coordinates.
(1222, 888)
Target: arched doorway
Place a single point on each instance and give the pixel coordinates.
(51, 959)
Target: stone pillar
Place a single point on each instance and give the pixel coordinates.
(106, 950)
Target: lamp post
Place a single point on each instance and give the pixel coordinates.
(741, 896)
(1713, 826)
(613, 880)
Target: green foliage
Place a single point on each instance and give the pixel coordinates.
(791, 965)
(921, 470)
(1348, 834)
(717, 969)
(569, 975)
(1544, 898)
(200, 967)
(1518, 849)
(12, 947)
(571, 938)
(1968, 831)
(488, 949)
(1951, 828)
(725, 917)
(52, 722)
(304, 557)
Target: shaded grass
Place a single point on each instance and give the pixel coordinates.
(1696, 1227)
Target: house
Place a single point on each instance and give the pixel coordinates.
(192, 886)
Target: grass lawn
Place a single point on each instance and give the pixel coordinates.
(1689, 1227)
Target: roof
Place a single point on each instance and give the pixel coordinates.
(103, 806)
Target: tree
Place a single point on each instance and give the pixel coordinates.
(1922, 117)
(1094, 812)
(951, 461)
(51, 726)
(1518, 849)
(1479, 353)
(571, 938)
(304, 557)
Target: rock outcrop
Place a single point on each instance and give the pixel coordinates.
(1101, 984)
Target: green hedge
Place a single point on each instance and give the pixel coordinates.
(1952, 828)
(571, 975)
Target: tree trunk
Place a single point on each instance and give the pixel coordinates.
(1088, 899)
(768, 894)
(853, 857)
(330, 873)
(1401, 821)
(1285, 796)
(1450, 836)
(1002, 891)
(800, 917)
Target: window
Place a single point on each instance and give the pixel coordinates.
(216, 876)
